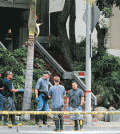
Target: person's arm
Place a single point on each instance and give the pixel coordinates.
(14, 90)
(36, 93)
(50, 93)
(49, 96)
(1, 88)
(64, 94)
(68, 98)
(82, 101)
(37, 87)
(67, 103)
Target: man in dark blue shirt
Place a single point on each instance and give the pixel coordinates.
(8, 93)
(57, 92)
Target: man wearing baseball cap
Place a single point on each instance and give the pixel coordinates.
(41, 92)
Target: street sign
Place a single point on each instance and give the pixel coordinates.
(95, 15)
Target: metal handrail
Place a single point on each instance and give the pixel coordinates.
(2, 46)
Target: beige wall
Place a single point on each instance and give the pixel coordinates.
(114, 21)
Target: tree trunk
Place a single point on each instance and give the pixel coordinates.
(72, 29)
(65, 43)
(29, 76)
(29, 69)
(101, 32)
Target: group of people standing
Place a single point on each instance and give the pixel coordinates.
(57, 92)
(43, 93)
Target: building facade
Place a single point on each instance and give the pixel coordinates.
(15, 14)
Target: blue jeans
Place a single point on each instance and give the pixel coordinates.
(9, 104)
(76, 116)
(58, 116)
(1, 102)
(42, 103)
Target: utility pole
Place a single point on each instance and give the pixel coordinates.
(90, 17)
(88, 62)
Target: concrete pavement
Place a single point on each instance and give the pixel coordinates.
(95, 128)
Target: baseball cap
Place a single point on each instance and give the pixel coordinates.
(47, 72)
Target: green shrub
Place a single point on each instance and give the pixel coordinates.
(105, 75)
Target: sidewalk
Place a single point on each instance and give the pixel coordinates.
(34, 129)
(97, 123)
(106, 124)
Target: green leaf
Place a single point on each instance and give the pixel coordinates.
(117, 95)
(112, 89)
(111, 97)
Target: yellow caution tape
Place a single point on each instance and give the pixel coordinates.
(59, 112)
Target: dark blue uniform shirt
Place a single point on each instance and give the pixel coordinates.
(75, 97)
(7, 85)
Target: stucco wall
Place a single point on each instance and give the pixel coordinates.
(115, 29)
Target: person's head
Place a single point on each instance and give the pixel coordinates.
(56, 79)
(74, 85)
(9, 75)
(46, 74)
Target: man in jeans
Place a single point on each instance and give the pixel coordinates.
(75, 100)
(57, 92)
(8, 93)
(41, 92)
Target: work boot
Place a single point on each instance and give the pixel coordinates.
(61, 125)
(5, 120)
(14, 121)
(81, 125)
(75, 123)
(57, 126)
(40, 124)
